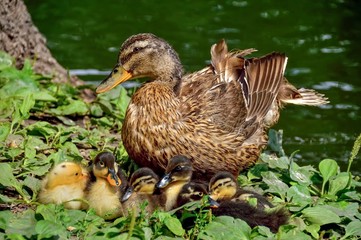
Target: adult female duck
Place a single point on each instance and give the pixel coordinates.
(217, 116)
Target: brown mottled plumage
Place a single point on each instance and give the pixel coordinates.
(217, 116)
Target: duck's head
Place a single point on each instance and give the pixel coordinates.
(222, 186)
(142, 181)
(104, 166)
(66, 173)
(144, 55)
(191, 192)
(179, 169)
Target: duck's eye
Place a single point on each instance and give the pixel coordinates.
(76, 174)
(101, 163)
(136, 49)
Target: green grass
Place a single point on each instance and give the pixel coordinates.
(42, 123)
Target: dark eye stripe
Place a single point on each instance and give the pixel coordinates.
(126, 58)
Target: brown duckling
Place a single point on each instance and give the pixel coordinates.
(250, 214)
(65, 184)
(104, 194)
(218, 116)
(141, 188)
(177, 174)
(191, 192)
(223, 186)
(228, 199)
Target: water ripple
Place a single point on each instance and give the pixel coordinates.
(333, 84)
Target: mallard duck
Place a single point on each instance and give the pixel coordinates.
(141, 188)
(177, 174)
(217, 116)
(105, 193)
(65, 184)
(223, 186)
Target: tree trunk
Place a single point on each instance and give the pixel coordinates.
(21, 39)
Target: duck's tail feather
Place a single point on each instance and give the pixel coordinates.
(308, 97)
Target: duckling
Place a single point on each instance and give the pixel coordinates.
(104, 195)
(178, 173)
(141, 188)
(191, 192)
(228, 199)
(65, 183)
(223, 186)
(248, 213)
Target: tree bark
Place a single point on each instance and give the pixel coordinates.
(21, 39)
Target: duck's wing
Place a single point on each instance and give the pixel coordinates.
(234, 93)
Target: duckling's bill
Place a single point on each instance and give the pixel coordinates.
(164, 181)
(212, 203)
(128, 193)
(113, 178)
(117, 76)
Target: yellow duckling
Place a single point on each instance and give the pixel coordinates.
(177, 174)
(65, 184)
(141, 188)
(105, 193)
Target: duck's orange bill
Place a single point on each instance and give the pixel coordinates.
(112, 181)
(117, 76)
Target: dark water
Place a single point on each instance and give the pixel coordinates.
(321, 38)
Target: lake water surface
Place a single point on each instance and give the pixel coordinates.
(321, 38)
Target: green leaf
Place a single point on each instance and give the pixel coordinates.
(5, 216)
(299, 195)
(4, 131)
(22, 223)
(313, 229)
(353, 229)
(48, 229)
(328, 168)
(7, 178)
(45, 96)
(26, 105)
(320, 215)
(43, 129)
(275, 185)
(340, 182)
(75, 107)
(302, 175)
(225, 227)
(174, 225)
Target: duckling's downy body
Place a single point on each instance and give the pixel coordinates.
(104, 195)
(65, 183)
(177, 174)
(217, 116)
(141, 188)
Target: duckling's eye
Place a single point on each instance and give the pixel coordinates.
(101, 163)
(178, 168)
(76, 174)
(136, 49)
